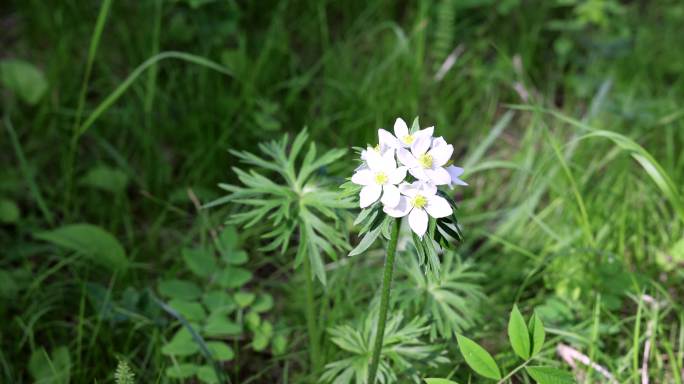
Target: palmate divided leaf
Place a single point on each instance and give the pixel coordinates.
(403, 348)
(285, 193)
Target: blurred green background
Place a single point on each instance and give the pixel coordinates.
(567, 115)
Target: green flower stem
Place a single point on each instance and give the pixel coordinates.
(384, 300)
(314, 353)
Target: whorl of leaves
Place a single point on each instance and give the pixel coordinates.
(123, 374)
(282, 194)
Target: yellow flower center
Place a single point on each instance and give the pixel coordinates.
(377, 148)
(419, 201)
(408, 139)
(425, 160)
(381, 178)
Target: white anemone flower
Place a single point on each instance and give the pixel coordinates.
(419, 199)
(402, 138)
(427, 159)
(381, 176)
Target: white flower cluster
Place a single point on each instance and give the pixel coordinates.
(420, 155)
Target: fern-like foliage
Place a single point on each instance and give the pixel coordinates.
(403, 350)
(444, 31)
(283, 193)
(449, 300)
(124, 374)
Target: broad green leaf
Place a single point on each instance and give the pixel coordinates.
(91, 241)
(549, 375)
(439, 381)
(228, 239)
(260, 342)
(200, 261)
(181, 371)
(263, 303)
(207, 375)
(244, 299)
(518, 334)
(215, 300)
(235, 257)
(106, 178)
(191, 310)
(253, 320)
(52, 369)
(9, 211)
(233, 277)
(220, 350)
(24, 79)
(279, 344)
(537, 334)
(478, 358)
(181, 344)
(221, 326)
(179, 289)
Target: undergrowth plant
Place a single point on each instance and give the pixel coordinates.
(292, 206)
(218, 314)
(527, 340)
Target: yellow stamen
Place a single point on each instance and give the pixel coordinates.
(381, 178)
(408, 139)
(377, 148)
(419, 201)
(425, 160)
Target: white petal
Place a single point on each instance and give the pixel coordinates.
(418, 221)
(425, 133)
(397, 175)
(374, 161)
(426, 187)
(439, 176)
(387, 139)
(437, 141)
(400, 210)
(390, 195)
(441, 154)
(363, 177)
(369, 195)
(406, 158)
(418, 173)
(400, 128)
(409, 190)
(438, 207)
(454, 173)
(420, 146)
(388, 162)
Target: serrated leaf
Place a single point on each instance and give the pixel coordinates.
(549, 375)
(478, 358)
(181, 371)
(221, 326)
(179, 289)
(439, 381)
(181, 344)
(24, 79)
(263, 303)
(199, 261)
(105, 178)
(244, 299)
(192, 311)
(518, 334)
(537, 333)
(215, 300)
(220, 351)
(90, 241)
(207, 375)
(233, 277)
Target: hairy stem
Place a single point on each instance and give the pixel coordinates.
(384, 301)
(311, 318)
